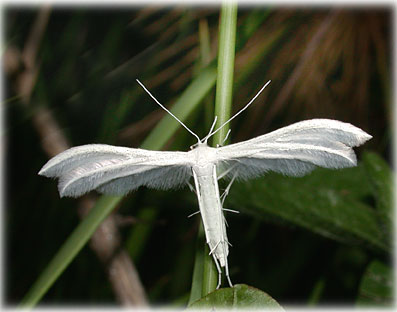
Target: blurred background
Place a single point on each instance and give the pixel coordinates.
(69, 78)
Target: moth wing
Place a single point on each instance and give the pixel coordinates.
(116, 170)
(294, 150)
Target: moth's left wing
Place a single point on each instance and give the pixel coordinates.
(116, 170)
(294, 150)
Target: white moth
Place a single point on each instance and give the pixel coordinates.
(293, 150)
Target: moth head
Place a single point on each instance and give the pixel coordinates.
(201, 143)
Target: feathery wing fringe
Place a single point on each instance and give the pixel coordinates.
(115, 170)
(295, 150)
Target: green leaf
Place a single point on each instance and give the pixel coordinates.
(380, 179)
(331, 203)
(376, 287)
(239, 296)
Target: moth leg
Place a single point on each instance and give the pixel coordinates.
(219, 271)
(226, 192)
(224, 219)
(197, 191)
(196, 184)
(213, 249)
(227, 275)
(227, 266)
(231, 210)
(194, 213)
(226, 172)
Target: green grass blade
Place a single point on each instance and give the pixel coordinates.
(187, 102)
(140, 232)
(205, 58)
(223, 104)
(70, 249)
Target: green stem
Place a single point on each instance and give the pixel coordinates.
(224, 85)
(205, 58)
(223, 104)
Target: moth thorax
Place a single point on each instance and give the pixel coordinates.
(204, 154)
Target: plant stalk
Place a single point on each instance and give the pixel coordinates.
(223, 104)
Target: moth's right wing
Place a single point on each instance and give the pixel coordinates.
(116, 170)
(294, 150)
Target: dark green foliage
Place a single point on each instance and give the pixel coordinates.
(377, 285)
(332, 203)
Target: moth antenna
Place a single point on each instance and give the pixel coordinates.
(212, 128)
(241, 110)
(163, 107)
